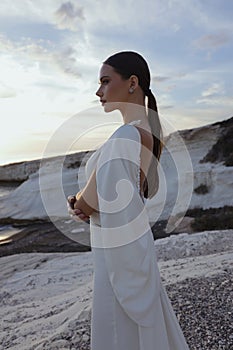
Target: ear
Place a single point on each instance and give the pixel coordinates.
(133, 82)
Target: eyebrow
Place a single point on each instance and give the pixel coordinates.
(104, 76)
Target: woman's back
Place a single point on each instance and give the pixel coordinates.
(146, 154)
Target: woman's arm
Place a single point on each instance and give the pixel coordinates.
(87, 199)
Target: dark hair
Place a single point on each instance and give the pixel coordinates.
(127, 63)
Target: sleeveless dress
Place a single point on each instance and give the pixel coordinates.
(130, 308)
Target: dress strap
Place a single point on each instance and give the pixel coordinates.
(135, 122)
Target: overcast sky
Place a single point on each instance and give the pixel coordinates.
(51, 52)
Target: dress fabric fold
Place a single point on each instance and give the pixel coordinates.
(131, 309)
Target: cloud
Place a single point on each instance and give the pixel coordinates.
(212, 41)
(165, 101)
(159, 79)
(219, 102)
(69, 16)
(171, 76)
(213, 90)
(62, 59)
(214, 95)
(80, 35)
(163, 107)
(66, 61)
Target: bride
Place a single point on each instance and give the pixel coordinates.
(130, 310)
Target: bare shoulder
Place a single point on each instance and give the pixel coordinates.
(146, 138)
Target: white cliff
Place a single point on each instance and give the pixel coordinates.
(216, 178)
(181, 173)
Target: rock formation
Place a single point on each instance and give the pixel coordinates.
(209, 183)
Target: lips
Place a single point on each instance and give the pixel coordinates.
(103, 102)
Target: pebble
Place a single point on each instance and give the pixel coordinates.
(203, 307)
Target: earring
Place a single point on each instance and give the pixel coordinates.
(131, 90)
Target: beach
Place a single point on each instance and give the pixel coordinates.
(46, 297)
(46, 259)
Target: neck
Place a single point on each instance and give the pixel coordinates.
(131, 112)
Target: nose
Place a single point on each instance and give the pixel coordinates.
(99, 92)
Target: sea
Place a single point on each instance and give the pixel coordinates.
(6, 231)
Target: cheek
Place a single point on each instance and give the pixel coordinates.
(115, 91)
(123, 91)
(118, 93)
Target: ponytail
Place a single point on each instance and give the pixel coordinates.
(151, 184)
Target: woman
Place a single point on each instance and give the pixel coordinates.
(131, 310)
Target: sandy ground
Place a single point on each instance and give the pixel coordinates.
(45, 298)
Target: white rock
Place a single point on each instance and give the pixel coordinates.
(56, 183)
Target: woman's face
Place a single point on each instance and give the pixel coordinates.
(113, 90)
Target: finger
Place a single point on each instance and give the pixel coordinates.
(82, 216)
(78, 211)
(84, 219)
(75, 217)
(71, 200)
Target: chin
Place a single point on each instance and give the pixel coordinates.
(111, 106)
(108, 110)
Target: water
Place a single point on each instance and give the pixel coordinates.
(6, 231)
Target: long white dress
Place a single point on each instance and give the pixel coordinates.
(130, 310)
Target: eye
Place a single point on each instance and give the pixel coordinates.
(105, 81)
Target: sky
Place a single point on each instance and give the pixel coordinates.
(51, 53)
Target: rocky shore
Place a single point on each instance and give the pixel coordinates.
(45, 237)
(45, 298)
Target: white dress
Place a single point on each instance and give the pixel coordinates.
(130, 310)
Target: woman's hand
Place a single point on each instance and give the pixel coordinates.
(70, 202)
(75, 213)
